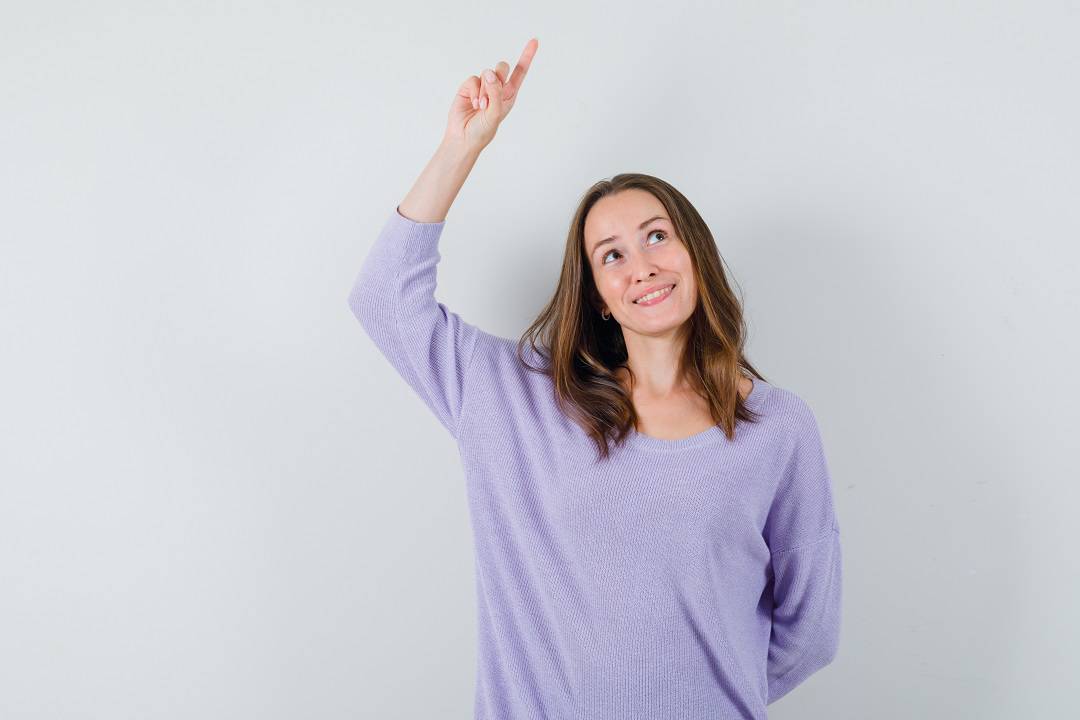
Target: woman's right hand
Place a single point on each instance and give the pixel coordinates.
(480, 105)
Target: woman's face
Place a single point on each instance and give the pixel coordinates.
(644, 255)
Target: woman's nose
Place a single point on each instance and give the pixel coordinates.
(643, 267)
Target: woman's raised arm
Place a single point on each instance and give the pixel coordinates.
(393, 295)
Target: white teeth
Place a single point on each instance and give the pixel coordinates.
(652, 295)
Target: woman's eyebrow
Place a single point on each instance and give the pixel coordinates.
(616, 237)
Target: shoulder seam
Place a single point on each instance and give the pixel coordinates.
(827, 536)
(466, 385)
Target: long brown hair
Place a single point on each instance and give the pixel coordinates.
(583, 351)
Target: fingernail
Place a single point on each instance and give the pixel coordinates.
(489, 76)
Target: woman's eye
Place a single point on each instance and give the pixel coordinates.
(603, 260)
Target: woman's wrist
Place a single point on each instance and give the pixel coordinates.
(434, 191)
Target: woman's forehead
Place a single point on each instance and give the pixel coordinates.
(614, 226)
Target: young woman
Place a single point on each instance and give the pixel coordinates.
(654, 522)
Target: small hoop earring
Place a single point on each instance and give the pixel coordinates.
(605, 314)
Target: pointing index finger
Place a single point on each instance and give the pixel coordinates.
(522, 67)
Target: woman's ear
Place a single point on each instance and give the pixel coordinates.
(595, 300)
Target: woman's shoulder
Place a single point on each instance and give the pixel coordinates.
(507, 365)
(503, 351)
(507, 392)
(788, 411)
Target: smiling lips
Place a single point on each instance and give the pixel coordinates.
(655, 296)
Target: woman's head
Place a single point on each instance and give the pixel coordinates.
(628, 235)
(631, 248)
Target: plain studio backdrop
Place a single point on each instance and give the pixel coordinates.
(217, 500)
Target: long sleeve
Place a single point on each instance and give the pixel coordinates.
(393, 299)
(804, 541)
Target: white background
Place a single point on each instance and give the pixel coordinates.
(217, 500)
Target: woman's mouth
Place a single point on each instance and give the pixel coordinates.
(654, 298)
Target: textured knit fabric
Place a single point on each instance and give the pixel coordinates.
(676, 580)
